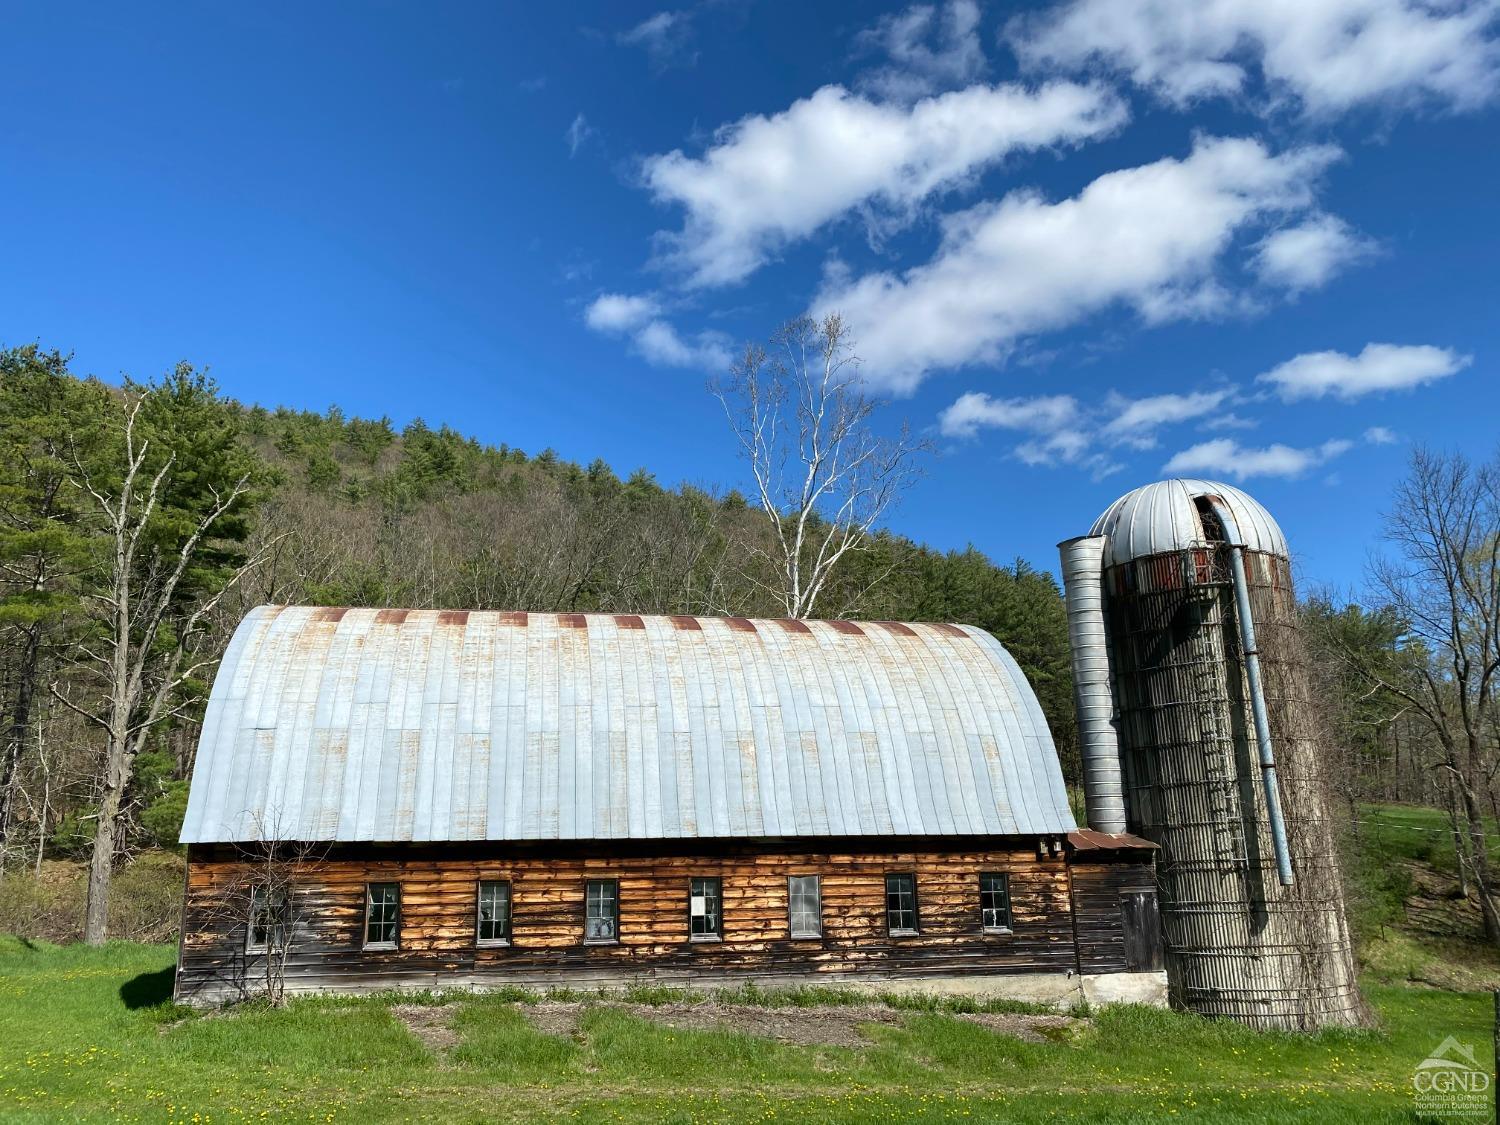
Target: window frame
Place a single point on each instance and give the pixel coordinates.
(717, 934)
(1009, 925)
(275, 927)
(480, 941)
(588, 885)
(395, 921)
(915, 928)
(791, 912)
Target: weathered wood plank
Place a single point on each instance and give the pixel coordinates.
(1064, 916)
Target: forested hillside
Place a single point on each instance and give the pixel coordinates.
(139, 523)
(349, 511)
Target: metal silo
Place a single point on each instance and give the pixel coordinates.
(1197, 733)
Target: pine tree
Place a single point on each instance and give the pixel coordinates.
(46, 417)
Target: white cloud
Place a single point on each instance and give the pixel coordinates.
(1148, 238)
(928, 51)
(1065, 446)
(1330, 55)
(1068, 447)
(1056, 423)
(1381, 435)
(1307, 255)
(768, 181)
(1136, 421)
(972, 411)
(620, 312)
(1065, 433)
(639, 316)
(578, 133)
(1379, 367)
(1229, 421)
(1226, 457)
(666, 38)
(660, 344)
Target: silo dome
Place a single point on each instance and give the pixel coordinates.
(1163, 517)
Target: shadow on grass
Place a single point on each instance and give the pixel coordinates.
(148, 989)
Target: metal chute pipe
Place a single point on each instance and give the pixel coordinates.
(1093, 690)
(1262, 721)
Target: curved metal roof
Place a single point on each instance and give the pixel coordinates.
(393, 725)
(1161, 517)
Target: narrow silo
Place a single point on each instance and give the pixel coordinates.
(1196, 732)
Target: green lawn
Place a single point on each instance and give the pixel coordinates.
(90, 1035)
(1410, 832)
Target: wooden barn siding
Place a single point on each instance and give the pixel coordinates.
(1097, 887)
(437, 937)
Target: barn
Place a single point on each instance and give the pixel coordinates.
(465, 799)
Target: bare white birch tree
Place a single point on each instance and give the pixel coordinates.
(1444, 583)
(150, 642)
(822, 473)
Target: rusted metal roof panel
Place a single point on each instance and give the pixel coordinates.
(1087, 840)
(393, 725)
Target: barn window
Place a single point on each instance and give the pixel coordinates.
(994, 902)
(705, 918)
(601, 920)
(805, 906)
(901, 904)
(382, 915)
(267, 920)
(494, 913)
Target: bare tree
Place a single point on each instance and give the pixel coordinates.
(262, 903)
(1444, 582)
(822, 473)
(270, 905)
(152, 643)
(273, 909)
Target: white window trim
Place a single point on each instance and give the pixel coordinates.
(382, 945)
(916, 910)
(804, 935)
(1009, 908)
(706, 938)
(599, 940)
(494, 942)
(251, 945)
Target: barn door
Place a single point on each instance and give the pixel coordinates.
(1142, 926)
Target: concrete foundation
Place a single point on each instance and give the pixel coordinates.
(1126, 988)
(1061, 991)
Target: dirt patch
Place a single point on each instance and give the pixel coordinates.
(831, 1026)
(430, 1024)
(555, 1017)
(1438, 908)
(813, 1027)
(1030, 1028)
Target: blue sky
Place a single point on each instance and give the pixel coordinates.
(1080, 244)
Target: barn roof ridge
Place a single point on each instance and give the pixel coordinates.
(943, 626)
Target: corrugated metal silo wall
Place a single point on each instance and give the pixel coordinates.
(1239, 944)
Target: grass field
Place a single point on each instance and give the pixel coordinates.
(1410, 832)
(90, 1035)
(1414, 924)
